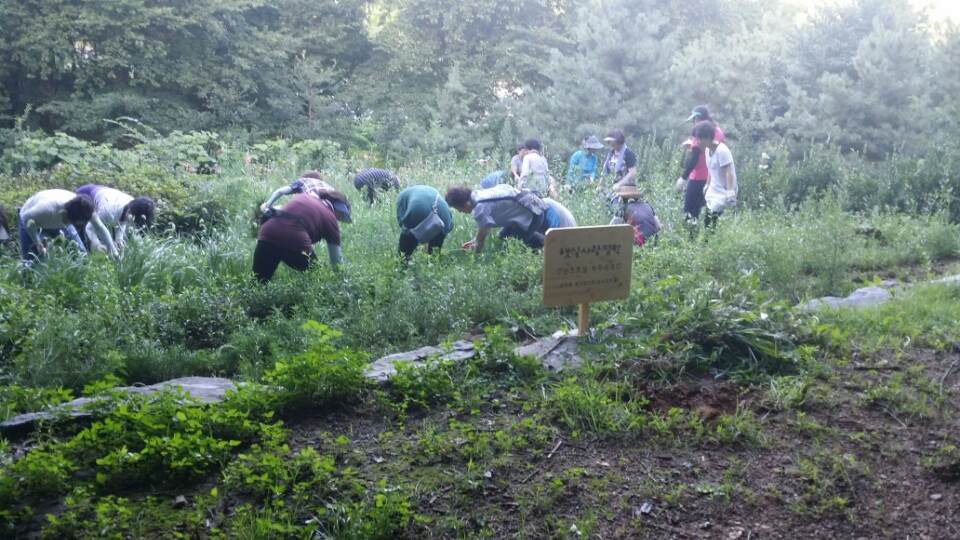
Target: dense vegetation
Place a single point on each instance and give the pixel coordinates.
(710, 403)
(290, 454)
(422, 77)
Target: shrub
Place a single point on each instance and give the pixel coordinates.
(323, 376)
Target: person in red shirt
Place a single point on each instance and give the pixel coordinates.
(288, 236)
(695, 174)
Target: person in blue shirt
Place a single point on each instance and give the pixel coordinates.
(583, 162)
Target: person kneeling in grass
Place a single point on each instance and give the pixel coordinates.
(521, 214)
(55, 212)
(288, 235)
(116, 210)
(424, 218)
(721, 189)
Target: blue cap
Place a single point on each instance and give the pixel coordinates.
(342, 210)
(700, 111)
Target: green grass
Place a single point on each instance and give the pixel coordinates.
(443, 445)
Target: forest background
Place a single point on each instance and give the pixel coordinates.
(411, 78)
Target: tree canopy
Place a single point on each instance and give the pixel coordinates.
(409, 76)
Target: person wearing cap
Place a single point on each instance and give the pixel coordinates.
(721, 188)
(309, 182)
(583, 162)
(516, 163)
(620, 162)
(55, 212)
(424, 218)
(695, 174)
(288, 235)
(636, 213)
(535, 173)
(116, 210)
(522, 215)
(375, 180)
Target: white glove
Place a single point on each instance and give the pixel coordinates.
(731, 199)
(264, 207)
(681, 185)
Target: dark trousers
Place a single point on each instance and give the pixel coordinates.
(532, 236)
(267, 257)
(710, 219)
(693, 199)
(408, 243)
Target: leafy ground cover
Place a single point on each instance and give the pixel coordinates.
(710, 408)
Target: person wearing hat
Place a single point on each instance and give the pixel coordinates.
(309, 182)
(721, 189)
(695, 174)
(521, 214)
(116, 209)
(583, 162)
(287, 235)
(56, 212)
(620, 162)
(636, 213)
(375, 180)
(424, 218)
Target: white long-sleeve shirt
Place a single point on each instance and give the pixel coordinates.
(45, 210)
(110, 204)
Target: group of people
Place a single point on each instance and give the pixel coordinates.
(521, 202)
(92, 217)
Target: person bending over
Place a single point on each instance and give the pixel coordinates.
(288, 236)
(520, 214)
(116, 211)
(55, 212)
(424, 218)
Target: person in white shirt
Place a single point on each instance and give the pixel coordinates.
(535, 173)
(54, 212)
(116, 210)
(721, 189)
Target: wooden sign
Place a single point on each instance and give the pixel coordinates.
(587, 264)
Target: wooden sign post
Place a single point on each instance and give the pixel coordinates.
(586, 264)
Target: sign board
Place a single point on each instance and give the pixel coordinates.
(587, 264)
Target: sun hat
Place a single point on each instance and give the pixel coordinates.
(628, 192)
(700, 112)
(592, 143)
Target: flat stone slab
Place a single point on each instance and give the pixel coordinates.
(869, 296)
(557, 353)
(384, 368)
(203, 389)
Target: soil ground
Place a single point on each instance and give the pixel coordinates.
(870, 453)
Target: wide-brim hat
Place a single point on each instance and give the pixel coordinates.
(592, 143)
(629, 192)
